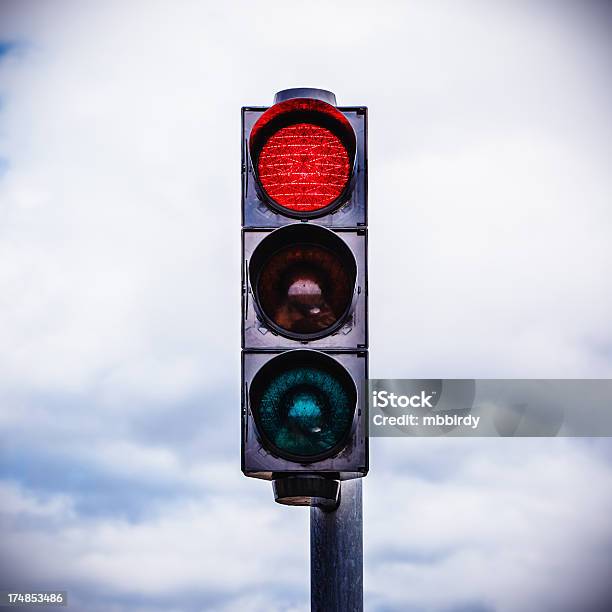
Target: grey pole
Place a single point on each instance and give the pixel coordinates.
(336, 553)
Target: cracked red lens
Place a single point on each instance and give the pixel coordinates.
(303, 167)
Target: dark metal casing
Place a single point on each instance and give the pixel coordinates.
(346, 343)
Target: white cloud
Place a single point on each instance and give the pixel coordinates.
(199, 547)
(503, 265)
(490, 142)
(18, 502)
(515, 524)
(121, 200)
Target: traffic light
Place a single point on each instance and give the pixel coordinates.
(304, 295)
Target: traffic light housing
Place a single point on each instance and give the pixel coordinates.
(304, 295)
(344, 203)
(304, 284)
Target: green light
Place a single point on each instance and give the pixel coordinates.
(305, 411)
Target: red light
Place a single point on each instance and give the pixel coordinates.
(303, 152)
(303, 167)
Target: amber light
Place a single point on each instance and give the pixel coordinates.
(303, 278)
(304, 167)
(305, 289)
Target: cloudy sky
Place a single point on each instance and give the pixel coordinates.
(490, 217)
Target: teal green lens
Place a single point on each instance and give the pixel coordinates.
(306, 410)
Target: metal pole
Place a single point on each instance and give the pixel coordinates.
(336, 553)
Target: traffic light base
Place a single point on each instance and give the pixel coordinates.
(307, 490)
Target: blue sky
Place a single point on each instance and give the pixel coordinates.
(490, 190)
